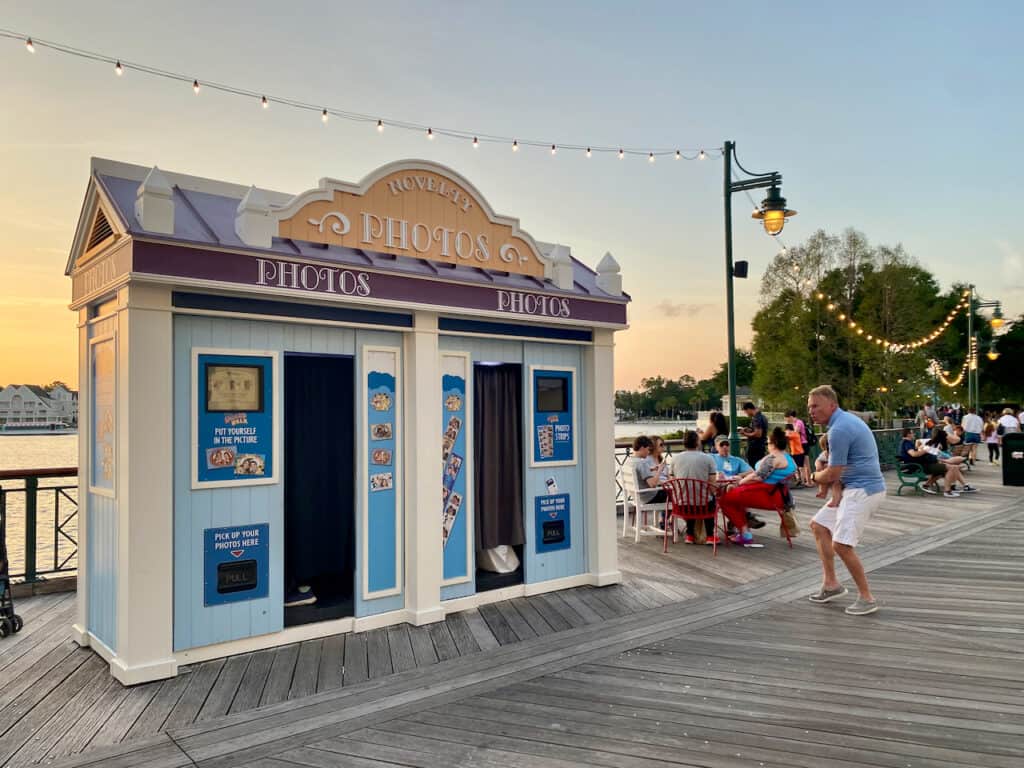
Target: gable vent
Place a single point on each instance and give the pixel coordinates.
(101, 230)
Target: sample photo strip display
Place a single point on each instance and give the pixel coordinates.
(453, 448)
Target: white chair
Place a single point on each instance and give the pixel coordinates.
(640, 510)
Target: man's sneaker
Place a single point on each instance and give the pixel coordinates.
(930, 489)
(968, 489)
(862, 607)
(825, 595)
(754, 521)
(301, 596)
(713, 540)
(952, 494)
(688, 539)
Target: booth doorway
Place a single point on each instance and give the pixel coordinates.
(319, 488)
(498, 474)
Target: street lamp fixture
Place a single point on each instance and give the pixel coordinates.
(773, 213)
(997, 316)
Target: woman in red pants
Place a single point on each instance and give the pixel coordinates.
(758, 490)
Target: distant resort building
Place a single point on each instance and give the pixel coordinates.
(27, 406)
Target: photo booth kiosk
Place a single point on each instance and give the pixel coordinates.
(357, 406)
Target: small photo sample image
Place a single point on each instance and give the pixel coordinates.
(445, 491)
(381, 456)
(381, 431)
(446, 447)
(220, 458)
(546, 440)
(381, 401)
(454, 425)
(382, 481)
(453, 402)
(250, 464)
(451, 470)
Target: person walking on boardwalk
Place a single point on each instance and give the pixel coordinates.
(853, 458)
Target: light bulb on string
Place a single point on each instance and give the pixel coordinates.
(554, 150)
(323, 116)
(476, 143)
(588, 151)
(430, 133)
(380, 126)
(263, 102)
(621, 154)
(118, 69)
(29, 46)
(650, 157)
(679, 155)
(701, 156)
(195, 87)
(515, 145)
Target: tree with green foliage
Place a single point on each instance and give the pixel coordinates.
(824, 306)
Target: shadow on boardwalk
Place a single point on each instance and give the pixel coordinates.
(692, 660)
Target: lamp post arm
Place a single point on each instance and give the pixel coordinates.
(727, 155)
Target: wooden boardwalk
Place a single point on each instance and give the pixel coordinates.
(590, 676)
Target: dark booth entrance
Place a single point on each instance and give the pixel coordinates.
(498, 471)
(319, 488)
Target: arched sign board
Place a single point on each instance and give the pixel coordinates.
(417, 209)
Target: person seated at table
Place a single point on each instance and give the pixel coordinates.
(648, 472)
(761, 489)
(718, 426)
(692, 463)
(659, 459)
(911, 452)
(730, 467)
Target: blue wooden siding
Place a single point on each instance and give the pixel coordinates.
(195, 510)
(102, 564)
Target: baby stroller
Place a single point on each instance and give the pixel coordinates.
(10, 622)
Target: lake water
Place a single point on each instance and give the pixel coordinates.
(634, 428)
(39, 452)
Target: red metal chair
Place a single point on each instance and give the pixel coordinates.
(689, 499)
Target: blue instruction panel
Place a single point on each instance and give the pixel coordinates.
(235, 563)
(552, 518)
(235, 412)
(554, 439)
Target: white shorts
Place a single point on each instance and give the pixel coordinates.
(847, 521)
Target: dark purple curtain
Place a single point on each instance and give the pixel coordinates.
(498, 454)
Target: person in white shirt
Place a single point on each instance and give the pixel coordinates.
(1007, 424)
(973, 425)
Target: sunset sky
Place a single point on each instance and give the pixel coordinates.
(903, 120)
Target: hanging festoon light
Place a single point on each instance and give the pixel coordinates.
(554, 150)
(380, 126)
(324, 116)
(515, 145)
(29, 45)
(195, 87)
(263, 102)
(701, 155)
(476, 143)
(118, 69)
(679, 155)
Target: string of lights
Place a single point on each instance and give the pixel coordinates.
(857, 329)
(941, 375)
(265, 100)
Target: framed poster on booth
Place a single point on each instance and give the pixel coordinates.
(235, 439)
(553, 417)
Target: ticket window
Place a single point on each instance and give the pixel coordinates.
(319, 488)
(498, 474)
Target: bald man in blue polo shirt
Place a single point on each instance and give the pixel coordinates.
(853, 460)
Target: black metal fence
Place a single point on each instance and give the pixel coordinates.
(40, 510)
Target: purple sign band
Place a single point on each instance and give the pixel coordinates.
(308, 277)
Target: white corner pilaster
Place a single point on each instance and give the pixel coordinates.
(423, 546)
(154, 203)
(602, 543)
(80, 629)
(145, 488)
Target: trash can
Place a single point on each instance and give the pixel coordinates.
(1013, 458)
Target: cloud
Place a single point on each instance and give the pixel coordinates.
(1012, 266)
(675, 309)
